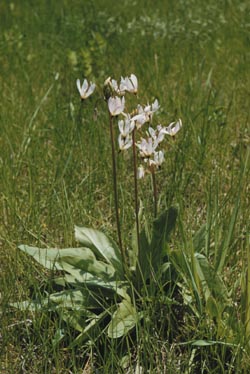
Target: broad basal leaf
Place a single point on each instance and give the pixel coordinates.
(123, 320)
(211, 281)
(45, 257)
(101, 245)
(162, 228)
(67, 299)
(151, 254)
(83, 280)
(68, 259)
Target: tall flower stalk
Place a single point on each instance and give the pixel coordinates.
(147, 147)
(136, 190)
(154, 191)
(116, 190)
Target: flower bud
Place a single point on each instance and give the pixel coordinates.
(107, 89)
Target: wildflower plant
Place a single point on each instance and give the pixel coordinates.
(102, 284)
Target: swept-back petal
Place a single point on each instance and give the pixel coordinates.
(78, 84)
(134, 80)
(90, 89)
(85, 85)
(173, 128)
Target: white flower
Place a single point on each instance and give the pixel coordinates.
(126, 126)
(157, 134)
(173, 128)
(124, 142)
(155, 106)
(116, 105)
(114, 85)
(140, 172)
(129, 84)
(158, 159)
(147, 147)
(123, 85)
(142, 116)
(145, 114)
(86, 89)
(140, 119)
(150, 109)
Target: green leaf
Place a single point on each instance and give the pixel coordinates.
(212, 308)
(162, 228)
(58, 337)
(163, 225)
(30, 305)
(151, 254)
(45, 257)
(211, 282)
(199, 239)
(101, 245)
(68, 259)
(66, 299)
(75, 318)
(87, 280)
(92, 328)
(203, 343)
(223, 252)
(123, 320)
(72, 299)
(143, 266)
(184, 270)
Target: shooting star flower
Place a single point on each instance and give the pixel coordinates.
(157, 134)
(145, 114)
(158, 159)
(147, 147)
(116, 105)
(125, 127)
(140, 172)
(173, 128)
(124, 142)
(86, 89)
(129, 84)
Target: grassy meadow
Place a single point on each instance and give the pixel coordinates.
(56, 171)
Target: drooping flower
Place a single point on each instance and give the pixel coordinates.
(155, 106)
(147, 147)
(129, 84)
(126, 127)
(124, 142)
(158, 159)
(116, 105)
(157, 134)
(145, 114)
(140, 172)
(86, 89)
(114, 85)
(173, 128)
(140, 119)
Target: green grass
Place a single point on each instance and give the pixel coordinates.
(55, 161)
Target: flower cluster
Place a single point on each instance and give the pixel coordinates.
(127, 84)
(126, 128)
(132, 122)
(145, 114)
(147, 147)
